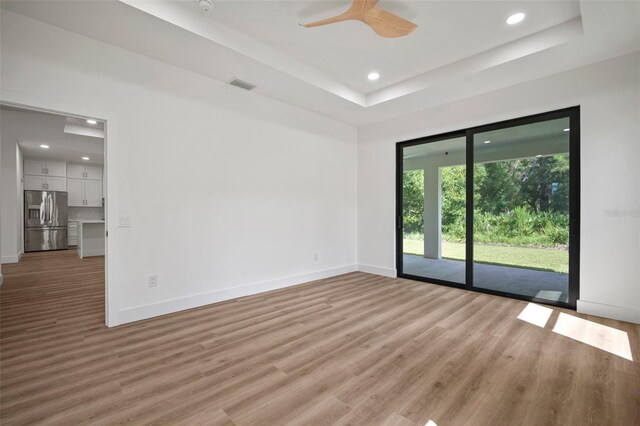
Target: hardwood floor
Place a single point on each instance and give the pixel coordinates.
(354, 349)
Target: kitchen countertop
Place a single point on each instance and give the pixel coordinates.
(87, 220)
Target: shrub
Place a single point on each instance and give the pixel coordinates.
(520, 226)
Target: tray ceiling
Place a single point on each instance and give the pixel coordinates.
(460, 48)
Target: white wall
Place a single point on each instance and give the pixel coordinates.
(609, 96)
(232, 193)
(229, 192)
(20, 197)
(10, 204)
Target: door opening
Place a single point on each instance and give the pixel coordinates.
(61, 187)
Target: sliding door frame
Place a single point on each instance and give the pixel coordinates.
(573, 114)
(399, 212)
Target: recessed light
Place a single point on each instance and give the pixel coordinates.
(487, 141)
(44, 146)
(92, 121)
(515, 18)
(566, 130)
(373, 76)
(86, 158)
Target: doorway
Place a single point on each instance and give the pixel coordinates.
(60, 157)
(494, 208)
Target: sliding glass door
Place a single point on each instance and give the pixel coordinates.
(433, 207)
(494, 208)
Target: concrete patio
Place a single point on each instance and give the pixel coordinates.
(546, 285)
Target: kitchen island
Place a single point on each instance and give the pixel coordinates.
(90, 238)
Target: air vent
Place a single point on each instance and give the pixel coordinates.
(242, 84)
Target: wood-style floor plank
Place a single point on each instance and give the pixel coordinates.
(354, 349)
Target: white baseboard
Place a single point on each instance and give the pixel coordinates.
(138, 313)
(377, 270)
(621, 313)
(92, 253)
(11, 259)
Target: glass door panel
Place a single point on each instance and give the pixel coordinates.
(433, 215)
(521, 186)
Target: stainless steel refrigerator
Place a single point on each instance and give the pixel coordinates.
(45, 220)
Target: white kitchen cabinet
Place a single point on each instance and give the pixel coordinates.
(45, 168)
(80, 171)
(34, 183)
(55, 183)
(56, 168)
(93, 193)
(72, 233)
(44, 183)
(84, 193)
(93, 173)
(34, 167)
(84, 185)
(75, 171)
(75, 191)
(44, 175)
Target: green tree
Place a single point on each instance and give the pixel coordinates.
(454, 195)
(413, 201)
(544, 183)
(498, 189)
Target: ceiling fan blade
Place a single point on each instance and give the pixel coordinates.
(361, 6)
(387, 24)
(327, 21)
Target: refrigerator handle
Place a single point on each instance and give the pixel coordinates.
(43, 209)
(51, 207)
(48, 209)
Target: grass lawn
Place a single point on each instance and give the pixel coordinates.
(546, 259)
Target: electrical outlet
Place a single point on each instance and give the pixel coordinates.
(315, 257)
(153, 281)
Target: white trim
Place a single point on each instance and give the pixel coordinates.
(92, 253)
(11, 259)
(377, 270)
(137, 313)
(622, 313)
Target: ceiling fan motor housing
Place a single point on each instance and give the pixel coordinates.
(205, 5)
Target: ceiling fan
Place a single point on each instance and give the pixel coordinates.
(384, 23)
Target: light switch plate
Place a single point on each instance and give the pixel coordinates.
(125, 222)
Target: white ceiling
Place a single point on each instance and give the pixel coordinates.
(460, 48)
(499, 140)
(31, 129)
(447, 32)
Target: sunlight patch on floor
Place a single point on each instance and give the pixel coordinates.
(608, 339)
(535, 314)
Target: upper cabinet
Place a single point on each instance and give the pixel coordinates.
(45, 168)
(93, 173)
(44, 183)
(84, 184)
(45, 175)
(34, 167)
(56, 168)
(75, 171)
(80, 171)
